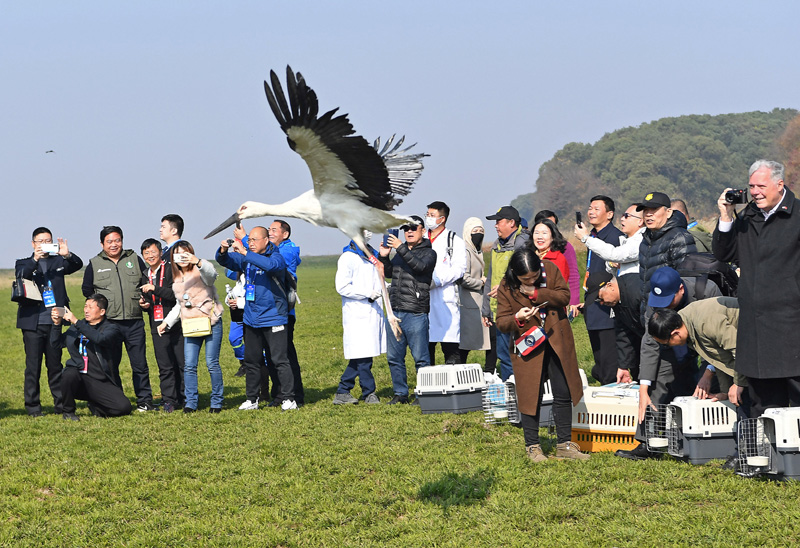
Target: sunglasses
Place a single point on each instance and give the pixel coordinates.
(409, 228)
(626, 215)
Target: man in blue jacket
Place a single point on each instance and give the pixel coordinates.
(265, 312)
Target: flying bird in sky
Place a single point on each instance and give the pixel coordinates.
(356, 185)
(49, 151)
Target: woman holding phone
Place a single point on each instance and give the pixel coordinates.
(193, 285)
(530, 306)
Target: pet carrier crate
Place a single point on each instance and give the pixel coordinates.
(500, 402)
(605, 418)
(770, 444)
(657, 421)
(454, 388)
(700, 430)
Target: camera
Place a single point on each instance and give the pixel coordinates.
(52, 249)
(736, 196)
(230, 242)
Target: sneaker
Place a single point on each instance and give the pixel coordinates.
(249, 405)
(535, 453)
(241, 372)
(570, 450)
(168, 407)
(214, 409)
(71, 417)
(344, 398)
(145, 407)
(372, 398)
(398, 399)
(275, 403)
(288, 405)
(189, 410)
(639, 452)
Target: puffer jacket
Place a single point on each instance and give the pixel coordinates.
(411, 271)
(666, 246)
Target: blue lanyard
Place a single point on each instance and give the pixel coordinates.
(82, 346)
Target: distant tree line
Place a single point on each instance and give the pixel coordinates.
(690, 157)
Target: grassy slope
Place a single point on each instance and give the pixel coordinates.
(353, 476)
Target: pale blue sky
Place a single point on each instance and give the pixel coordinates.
(157, 107)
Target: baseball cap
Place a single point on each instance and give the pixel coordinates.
(505, 212)
(594, 283)
(417, 222)
(654, 199)
(664, 283)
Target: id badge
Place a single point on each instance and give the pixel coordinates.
(158, 313)
(48, 297)
(85, 365)
(250, 292)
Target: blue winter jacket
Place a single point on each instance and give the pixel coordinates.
(269, 308)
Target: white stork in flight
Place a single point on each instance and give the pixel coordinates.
(356, 186)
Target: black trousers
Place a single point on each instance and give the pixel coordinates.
(449, 349)
(37, 345)
(168, 349)
(134, 338)
(490, 365)
(297, 390)
(562, 402)
(604, 349)
(769, 393)
(262, 341)
(107, 398)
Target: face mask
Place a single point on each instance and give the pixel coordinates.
(477, 240)
(431, 224)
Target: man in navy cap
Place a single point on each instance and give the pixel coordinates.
(665, 372)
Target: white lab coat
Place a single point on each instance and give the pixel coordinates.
(445, 316)
(357, 281)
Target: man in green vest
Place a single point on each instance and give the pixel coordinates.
(510, 237)
(118, 274)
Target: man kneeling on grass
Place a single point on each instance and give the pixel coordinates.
(87, 375)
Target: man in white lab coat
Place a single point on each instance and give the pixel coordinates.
(451, 264)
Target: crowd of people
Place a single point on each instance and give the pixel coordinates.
(648, 319)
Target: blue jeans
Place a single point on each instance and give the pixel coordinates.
(191, 352)
(415, 338)
(361, 368)
(504, 354)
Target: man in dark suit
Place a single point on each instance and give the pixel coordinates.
(47, 270)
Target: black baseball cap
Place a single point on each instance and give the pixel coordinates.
(505, 212)
(417, 219)
(654, 199)
(594, 283)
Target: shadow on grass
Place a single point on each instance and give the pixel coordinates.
(455, 489)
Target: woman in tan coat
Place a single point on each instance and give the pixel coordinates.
(534, 293)
(474, 335)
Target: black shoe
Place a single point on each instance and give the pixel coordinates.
(275, 403)
(189, 410)
(241, 372)
(71, 417)
(215, 410)
(398, 399)
(145, 407)
(93, 409)
(731, 462)
(640, 452)
(415, 402)
(36, 414)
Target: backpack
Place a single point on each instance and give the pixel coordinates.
(704, 267)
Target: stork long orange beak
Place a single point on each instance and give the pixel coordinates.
(233, 219)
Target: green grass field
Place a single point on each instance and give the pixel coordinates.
(342, 476)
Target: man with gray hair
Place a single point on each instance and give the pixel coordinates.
(763, 240)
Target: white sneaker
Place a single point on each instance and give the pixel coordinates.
(249, 405)
(288, 405)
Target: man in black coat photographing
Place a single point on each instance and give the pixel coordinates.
(764, 240)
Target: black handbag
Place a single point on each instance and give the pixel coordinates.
(24, 290)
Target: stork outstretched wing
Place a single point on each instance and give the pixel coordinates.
(339, 160)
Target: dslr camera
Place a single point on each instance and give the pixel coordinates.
(736, 196)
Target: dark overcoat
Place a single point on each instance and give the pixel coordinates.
(768, 253)
(528, 369)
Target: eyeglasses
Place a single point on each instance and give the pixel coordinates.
(626, 215)
(47, 241)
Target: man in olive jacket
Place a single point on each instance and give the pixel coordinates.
(763, 240)
(118, 274)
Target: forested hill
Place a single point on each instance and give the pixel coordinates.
(690, 157)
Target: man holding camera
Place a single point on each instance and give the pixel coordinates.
(118, 274)
(763, 240)
(46, 267)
